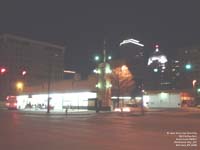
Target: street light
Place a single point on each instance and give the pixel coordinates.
(20, 86)
(124, 68)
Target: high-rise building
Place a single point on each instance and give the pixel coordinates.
(190, 65)
(179, 72)
(132, 52)
(157, 68)
(29, 61)
(174, 73)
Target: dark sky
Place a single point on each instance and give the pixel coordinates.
(82, 26)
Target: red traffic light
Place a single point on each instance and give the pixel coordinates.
(157, 46)
(24, 72)
(3, 70)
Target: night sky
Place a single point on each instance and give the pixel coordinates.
(82, 26)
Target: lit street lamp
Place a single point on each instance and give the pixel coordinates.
(20, 86)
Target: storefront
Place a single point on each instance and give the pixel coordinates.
(58, 101)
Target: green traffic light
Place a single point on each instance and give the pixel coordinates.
(198, 90)
(155, 70)
(188, 66)
(96, 58)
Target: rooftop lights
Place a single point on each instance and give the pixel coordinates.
(133, 41)
(69, 71)
(157, 57)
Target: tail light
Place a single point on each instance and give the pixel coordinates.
(15, 104)
(7, 104)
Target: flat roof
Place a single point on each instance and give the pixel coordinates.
(6, 35)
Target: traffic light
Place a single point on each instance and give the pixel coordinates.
(100, 58)
(198, 90)
(155, 70)
(109, 57)
(96, 58)
(188, 66)
(24, 72)
(3, 70)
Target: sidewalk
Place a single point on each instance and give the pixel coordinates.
(53, 112)
(82, 112)
(191, 109)
(93, 112)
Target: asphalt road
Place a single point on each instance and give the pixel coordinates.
(104, 131)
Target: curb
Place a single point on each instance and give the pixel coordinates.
(191, 109)
(55, 113)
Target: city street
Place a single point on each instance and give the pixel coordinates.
(103, 131)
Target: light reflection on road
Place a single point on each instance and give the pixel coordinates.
(94, 131)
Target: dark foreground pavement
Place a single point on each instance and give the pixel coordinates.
(103, 131)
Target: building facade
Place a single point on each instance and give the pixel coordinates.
(73, 94)
(29, 61)
(132, 54)
(190, 62)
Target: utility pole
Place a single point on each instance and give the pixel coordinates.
(103, 86)
(49, 86)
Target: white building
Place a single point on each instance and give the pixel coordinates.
(72, 94)
(162, 100)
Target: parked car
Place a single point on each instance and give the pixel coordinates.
(11, 102)
(11, 105)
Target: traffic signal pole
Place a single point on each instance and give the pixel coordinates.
(103, 86)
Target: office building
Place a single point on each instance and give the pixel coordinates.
(132, 53)
(29, 61)
(190, 66)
